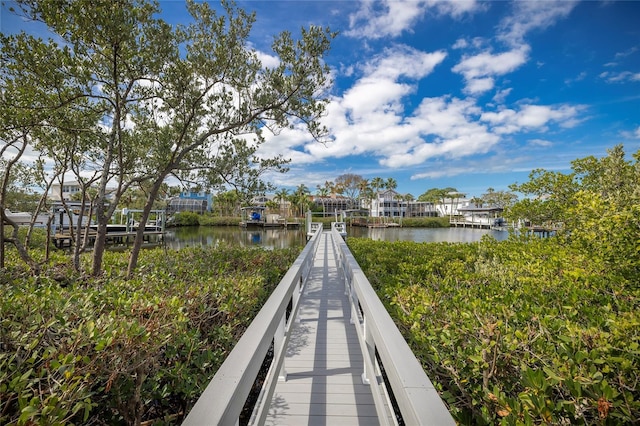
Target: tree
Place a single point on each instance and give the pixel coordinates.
(185, 100)
(20, 145)
(213, 129)
(25, 107)
(376, 184)
(271, 205)
(227, 203)
(105, 73)
(349, 185)
(547, 195)
(502, 199)
(322, 193)
(300, 198)
(598, 204)
(391, 184)
(438, 195)
(281, 196)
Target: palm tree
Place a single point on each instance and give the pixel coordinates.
(301, 197)
(363, 189)
(376, 184)
(391, 184)
(281, 196)
(322, 192)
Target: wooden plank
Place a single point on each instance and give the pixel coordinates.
(343, 398)
(323, 361)
(285, 420)
(328, 410)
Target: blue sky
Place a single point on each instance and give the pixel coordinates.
(464, 93)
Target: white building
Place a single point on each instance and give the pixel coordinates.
(64, 192)
(390, 203)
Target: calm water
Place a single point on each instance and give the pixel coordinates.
(177, 238)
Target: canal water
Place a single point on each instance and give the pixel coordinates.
(176, 238)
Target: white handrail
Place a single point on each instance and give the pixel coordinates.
(418, 401)
(222, 401)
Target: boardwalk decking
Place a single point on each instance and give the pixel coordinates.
(323, 359)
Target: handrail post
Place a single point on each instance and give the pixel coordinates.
(370, 353)
(278, 346)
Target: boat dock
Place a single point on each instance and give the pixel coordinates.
(114, 237)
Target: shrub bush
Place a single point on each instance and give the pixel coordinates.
(514, 332)
(211, 220)
(113, 351)
(184, 219)
(426, 222)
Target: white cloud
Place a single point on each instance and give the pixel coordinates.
(367, 118)
(385, 18)
(501, 96)
(402, 60)
(531, 15)
(476, 86)
(627, 52)
(443, 127)
(390, 18)
(500, 162)
(480, 69)
(460, 44)
(540, 143)
(379, 92)
(267, 60)
(531, 117)
(374, 119)
(440, 172)
(620, 77)
(476, 43)
(486, 64)
(579, 77)
(476, 69)
(454, 8)
(634, 134)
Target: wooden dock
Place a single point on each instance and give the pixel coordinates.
(64, 239)
(323, 361)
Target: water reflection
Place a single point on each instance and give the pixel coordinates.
(431, 235)
(177, 238)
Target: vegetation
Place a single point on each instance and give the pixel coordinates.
(529, 330)
(210, 220)
(425, 222)
(109, 350)
(141, 100)
(194, 219)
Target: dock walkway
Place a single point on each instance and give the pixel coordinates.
(323, 360)
(337, 354)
